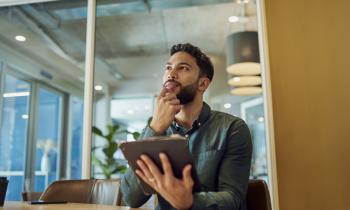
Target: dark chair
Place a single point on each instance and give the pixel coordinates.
(258, 196)
(83, 191)
(106, 192)
(75, 191)
(31, 196)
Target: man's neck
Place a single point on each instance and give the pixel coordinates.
(189, 113)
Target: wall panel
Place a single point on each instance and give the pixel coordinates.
(310, 77)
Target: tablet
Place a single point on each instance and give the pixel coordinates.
(176, 148)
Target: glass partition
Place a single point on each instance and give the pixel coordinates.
(42, 54)
(74, 162)
(133, 40)
(49, 138)
(15, 96)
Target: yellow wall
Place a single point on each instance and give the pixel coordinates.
(309, 49)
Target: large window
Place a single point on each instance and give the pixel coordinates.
(33, 117)
(14, 132)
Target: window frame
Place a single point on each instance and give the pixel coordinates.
(62, 138)
(30, 148)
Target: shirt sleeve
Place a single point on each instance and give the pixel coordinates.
(131, 190)
(233, 173)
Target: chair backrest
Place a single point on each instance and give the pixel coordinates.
(97, 191)
(75, 191)
(258, 196)
(31, 196)
(106, 192)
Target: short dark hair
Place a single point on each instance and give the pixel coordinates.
(203, 61)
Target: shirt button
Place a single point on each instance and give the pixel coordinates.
(199, 124)
(186, 135)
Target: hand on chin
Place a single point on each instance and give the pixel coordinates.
(177, 112)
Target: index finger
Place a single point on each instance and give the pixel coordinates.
(163, 91)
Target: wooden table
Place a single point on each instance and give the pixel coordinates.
(18, 205)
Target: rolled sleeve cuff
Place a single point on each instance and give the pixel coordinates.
(149, 132)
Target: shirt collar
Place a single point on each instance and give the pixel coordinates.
(204, 115)
(202, 118)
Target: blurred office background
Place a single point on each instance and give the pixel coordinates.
(42, 55)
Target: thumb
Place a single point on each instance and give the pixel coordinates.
(186, 176)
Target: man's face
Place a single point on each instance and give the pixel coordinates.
(182, 76)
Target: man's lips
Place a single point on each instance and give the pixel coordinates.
(171, 85)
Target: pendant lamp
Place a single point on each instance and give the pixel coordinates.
(243, 63)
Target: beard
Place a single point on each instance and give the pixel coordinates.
(187, 93)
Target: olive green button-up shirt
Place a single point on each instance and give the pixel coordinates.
(221, 147)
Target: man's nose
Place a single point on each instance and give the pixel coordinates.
(172, 74)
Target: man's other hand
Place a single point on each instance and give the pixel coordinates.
(178, 192)
(167, 107)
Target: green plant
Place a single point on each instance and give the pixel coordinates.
(108, 164)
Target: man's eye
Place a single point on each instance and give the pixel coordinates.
(168, 67)
(185, 68)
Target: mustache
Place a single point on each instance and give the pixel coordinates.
(172, 80)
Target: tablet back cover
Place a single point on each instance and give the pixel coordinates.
(175, 148)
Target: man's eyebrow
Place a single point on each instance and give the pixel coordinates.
(182, 63)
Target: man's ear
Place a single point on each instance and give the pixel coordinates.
(203, 84)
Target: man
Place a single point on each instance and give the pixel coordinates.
(220, 143)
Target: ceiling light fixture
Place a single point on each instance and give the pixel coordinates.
(236, 79)
(245, 81)
(233, 19)
(242, 1)
(20, 38)
(243, 53)
(261, 119)
(98, 87)
(243, 63)
(246, 91)
(238, 19)
(15, 94)
(227, 105)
